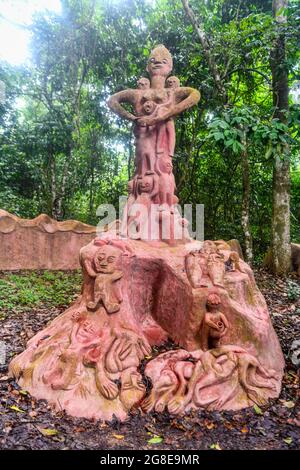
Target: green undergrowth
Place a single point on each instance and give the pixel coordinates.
(26, 289)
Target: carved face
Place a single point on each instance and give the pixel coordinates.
(173, 82)
(160, 62)
(149, 107)
(143, 83)
(106, 258)
(145, 184)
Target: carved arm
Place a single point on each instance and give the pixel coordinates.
(125, 96)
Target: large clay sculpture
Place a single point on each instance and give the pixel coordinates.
(155, 104)
(139, 290)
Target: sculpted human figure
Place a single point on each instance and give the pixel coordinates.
(166, 133)
(152, 112)
(159, 66)
(215, 324)
(167, 184)
(105, 288)
(146, 192)
(205, 266)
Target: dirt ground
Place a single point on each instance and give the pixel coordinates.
(26, 423)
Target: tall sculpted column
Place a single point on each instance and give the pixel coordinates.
(137, 293)
(151, 212)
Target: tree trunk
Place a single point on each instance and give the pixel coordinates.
(246, 203)
(53, 187)
(280, 244)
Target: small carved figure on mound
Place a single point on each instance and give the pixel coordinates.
(164, 379)
(215, 324)
(205, 267)
(231, 258)
(127, 350)
(106, 290)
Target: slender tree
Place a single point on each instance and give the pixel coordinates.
(280, 244)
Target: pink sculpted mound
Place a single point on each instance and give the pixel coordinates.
(147, 282)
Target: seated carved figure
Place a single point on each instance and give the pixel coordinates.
(105, 288)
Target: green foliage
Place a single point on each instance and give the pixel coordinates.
(63, 152)
(293, 291)
(33, 289)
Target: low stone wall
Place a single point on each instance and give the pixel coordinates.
(41, 243)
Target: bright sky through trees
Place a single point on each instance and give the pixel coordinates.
(15, 15)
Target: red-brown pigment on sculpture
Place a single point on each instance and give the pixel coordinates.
(136, 294)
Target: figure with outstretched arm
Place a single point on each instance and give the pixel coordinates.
(153, 105)
(159, 66)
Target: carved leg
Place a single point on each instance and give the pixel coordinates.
(92, 305)
(225, 397)
(246, 361)
(178, 402)
(111, 307)
(161, 392)
(105, 386)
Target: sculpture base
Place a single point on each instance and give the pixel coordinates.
(136, 295)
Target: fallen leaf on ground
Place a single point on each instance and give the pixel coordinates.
(118, 436)
(257, 410)
(155, 440)
(288, 404)
(16, 408)
(215, 446)
(48, 431)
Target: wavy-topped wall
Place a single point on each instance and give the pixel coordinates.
(41, 243)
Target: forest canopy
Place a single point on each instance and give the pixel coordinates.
(63, 153)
